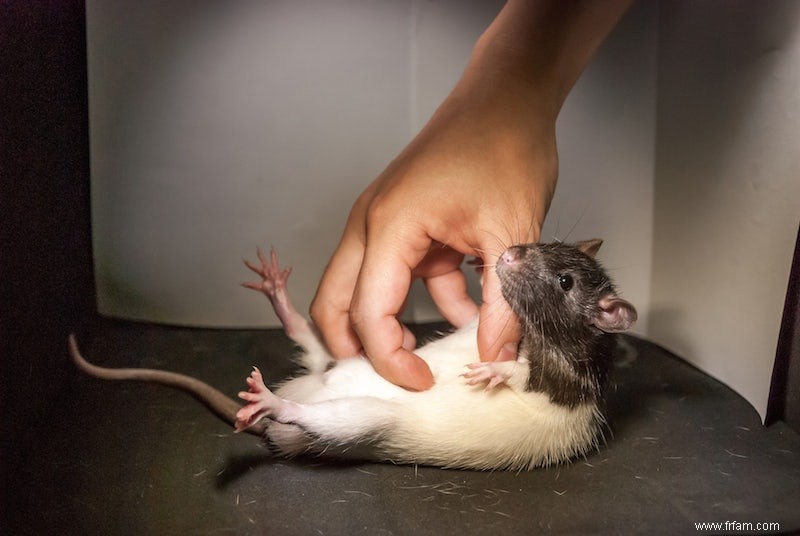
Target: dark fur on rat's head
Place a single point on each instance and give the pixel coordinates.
(569, 311)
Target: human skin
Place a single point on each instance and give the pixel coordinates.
(478, 177)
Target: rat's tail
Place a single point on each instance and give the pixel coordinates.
(219, 403)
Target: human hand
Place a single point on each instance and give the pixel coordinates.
(478, 178)
(475, 181)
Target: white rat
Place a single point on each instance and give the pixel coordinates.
(541, 409)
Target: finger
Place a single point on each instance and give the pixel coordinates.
(330, 309)
(449, 293)
(405, 369)
(498, 328)
(381, 289)
(409, 339)
(390, 353)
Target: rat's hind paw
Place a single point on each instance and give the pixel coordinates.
(273, 279)
(273, 285)
(261, 402)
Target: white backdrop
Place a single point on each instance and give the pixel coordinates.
(217, 126)
(727, 185)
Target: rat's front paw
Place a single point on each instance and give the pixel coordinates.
(492, 373)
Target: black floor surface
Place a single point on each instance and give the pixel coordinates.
(129, 458)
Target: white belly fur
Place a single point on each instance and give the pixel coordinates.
(350, 411)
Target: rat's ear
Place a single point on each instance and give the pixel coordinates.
(614, 314)
(589, 247)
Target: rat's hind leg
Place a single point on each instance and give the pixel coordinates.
(334, 426)
(273, 285)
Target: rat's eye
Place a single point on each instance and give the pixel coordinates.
(566, 282)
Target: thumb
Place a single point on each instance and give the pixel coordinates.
(498, 326)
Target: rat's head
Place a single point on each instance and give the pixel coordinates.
(560, 290)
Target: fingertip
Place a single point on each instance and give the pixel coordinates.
(407, 370)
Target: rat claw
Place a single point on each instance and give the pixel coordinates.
(494, 382)
(256, 375)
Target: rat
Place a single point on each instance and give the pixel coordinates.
(543, 408)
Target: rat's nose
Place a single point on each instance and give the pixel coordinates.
(512, 257)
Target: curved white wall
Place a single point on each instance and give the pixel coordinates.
(727, 184)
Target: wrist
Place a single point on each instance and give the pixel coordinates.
(543, 46)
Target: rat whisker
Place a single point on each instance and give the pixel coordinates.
(484, 253)
(532, 227)
(501, 245)
(574, 225)
(517, 237)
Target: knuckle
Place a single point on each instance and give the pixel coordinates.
(380, 211)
